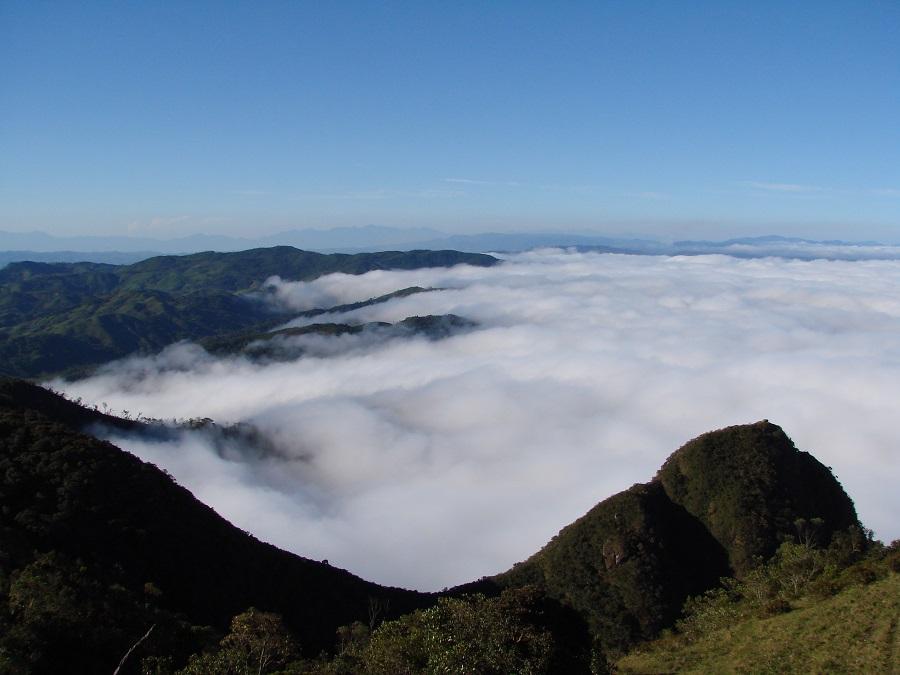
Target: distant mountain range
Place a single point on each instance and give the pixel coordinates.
(789, 247)
(42, 247)
(771, 239)
(348, 239)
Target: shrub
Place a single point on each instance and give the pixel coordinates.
(776, 606)
(716, 609)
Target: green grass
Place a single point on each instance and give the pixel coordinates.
(855, 631)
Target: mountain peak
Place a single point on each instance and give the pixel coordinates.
(718, 504)
(748, 484)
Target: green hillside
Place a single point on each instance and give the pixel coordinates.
(244, 270)
(748, 484)
(627, 566)
(857, 631)
(68, 317)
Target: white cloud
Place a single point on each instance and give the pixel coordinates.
(472, 181)
(783, 187)
(647, 194)
(427, 464)
(467, 181)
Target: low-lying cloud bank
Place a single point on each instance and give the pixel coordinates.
(429, 463)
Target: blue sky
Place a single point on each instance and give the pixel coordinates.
(669, 119)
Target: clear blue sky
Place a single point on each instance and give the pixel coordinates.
(663, 118)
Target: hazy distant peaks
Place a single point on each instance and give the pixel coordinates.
(116, 249)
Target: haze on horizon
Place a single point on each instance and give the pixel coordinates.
(707, 120)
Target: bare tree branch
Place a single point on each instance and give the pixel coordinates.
(133, 647)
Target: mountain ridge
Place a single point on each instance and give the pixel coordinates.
(617, 560)
(625, 567)
(58, 318)
(66, 492)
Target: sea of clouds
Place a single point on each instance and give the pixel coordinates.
(429, 463)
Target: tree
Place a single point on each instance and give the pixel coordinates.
(794, 566)
(522, 631)
(258, 643)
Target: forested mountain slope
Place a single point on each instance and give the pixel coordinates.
(719, 503)
(69, 316)
(96, 545)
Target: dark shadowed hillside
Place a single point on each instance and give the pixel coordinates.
(71, 502)
(286, 343)
(627, 565)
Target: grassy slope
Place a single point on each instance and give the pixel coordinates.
(857, 631)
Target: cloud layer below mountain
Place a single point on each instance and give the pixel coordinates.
(429, 463)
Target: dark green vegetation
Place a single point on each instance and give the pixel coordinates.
(68, 317)
(630, 563)
(109, 257)
(627, 566)
(97, 548)
(520, 631)
(276, 344)
(749, 485)
(279, 345)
